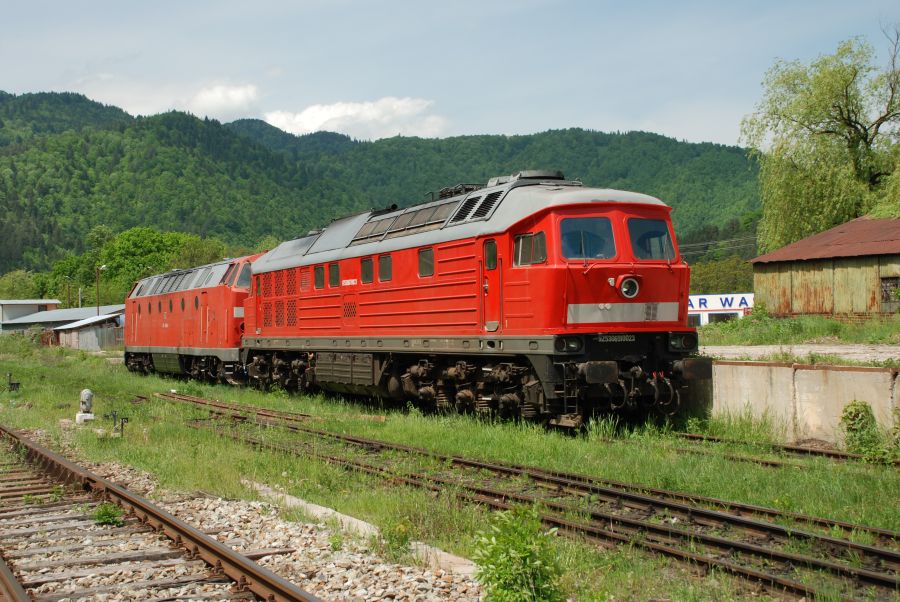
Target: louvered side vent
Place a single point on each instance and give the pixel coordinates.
(279, 283)
(487, 204)
(279, 313)
(304, 279)
(267, 314)
(291, 313)
(267, 285)
(292, 282)
(465, 210)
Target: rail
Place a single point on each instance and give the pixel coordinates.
(247, 574)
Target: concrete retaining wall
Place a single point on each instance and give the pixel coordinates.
(804, 401)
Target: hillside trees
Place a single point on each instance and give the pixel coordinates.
(128, 256)
(826, 138)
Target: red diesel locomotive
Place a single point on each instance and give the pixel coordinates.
(188, 321)
(532, 296)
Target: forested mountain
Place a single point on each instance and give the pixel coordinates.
(706, 183)
(23, 117)
(68, 164)
(170, 171)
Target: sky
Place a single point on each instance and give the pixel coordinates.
(375, 69)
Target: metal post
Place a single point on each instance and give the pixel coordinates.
(99, 269)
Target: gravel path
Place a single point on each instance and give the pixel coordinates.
(856, 353)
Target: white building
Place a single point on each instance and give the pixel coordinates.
(703, 309)
(12, 309)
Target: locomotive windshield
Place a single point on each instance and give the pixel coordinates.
(650, 239)
(243, 280)
(587, 238)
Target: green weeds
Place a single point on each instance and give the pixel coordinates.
(108, 513)
(516, 559)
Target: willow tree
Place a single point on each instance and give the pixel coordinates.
(826, 136)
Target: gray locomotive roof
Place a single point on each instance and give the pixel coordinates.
(217, 270)
(517, 201)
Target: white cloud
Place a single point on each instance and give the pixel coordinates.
(224, 102)
(381, 118)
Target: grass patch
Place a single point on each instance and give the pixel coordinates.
(759, 328)
(158, 440)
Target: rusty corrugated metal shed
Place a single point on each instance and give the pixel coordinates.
(860, 237)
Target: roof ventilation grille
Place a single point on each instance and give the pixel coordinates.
(487, 204)
(465, 209)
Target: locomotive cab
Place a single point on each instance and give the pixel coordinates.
(607, 280)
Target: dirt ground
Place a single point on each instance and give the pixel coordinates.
(856, 353)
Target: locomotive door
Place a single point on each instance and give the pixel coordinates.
(204, 317)
(492, 297)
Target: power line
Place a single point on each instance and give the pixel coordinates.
(715, 242)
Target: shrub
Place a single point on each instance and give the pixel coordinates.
(516, 561)
(862, 435)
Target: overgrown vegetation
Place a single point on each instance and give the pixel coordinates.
(759, 328)
(108, 513)
(184, 459)
(516, 560)
(862, 435)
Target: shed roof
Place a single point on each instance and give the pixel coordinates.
(66, 315)
(29, 301)
(856, 238)
(87, 321)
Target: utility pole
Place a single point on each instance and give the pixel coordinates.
(99, 269)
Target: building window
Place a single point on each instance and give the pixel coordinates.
(530, 248)
(890, 294)
(334, 275)
(890, 289)
(490, 254)
(385, 268)
(426, 262)
(319, 276)
(367, 270)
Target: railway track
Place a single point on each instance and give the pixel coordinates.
(52, 547)
(738, 538)
(795, 450)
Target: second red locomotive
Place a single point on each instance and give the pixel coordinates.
(532, 296)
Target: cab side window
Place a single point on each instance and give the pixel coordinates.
(530, 248)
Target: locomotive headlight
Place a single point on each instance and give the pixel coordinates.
(568, 344)
(682, 341)
(629, 288)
